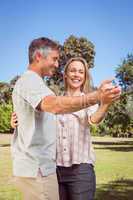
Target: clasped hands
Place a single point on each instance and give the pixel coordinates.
(108, 93)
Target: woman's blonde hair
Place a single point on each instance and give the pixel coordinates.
(86, 87)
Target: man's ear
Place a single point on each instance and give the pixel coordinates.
(38, 56)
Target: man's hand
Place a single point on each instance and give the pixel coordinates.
(108, 93)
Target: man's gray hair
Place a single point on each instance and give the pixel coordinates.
(44, 51)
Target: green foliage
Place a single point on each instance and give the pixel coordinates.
(119, 119)
(125, 72)
(5, 115)
(5, 92)
(5, 105)
(94, 130)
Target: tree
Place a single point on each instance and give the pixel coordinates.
(6, 105)
(5, 92)
(124, 72)
(5, 112)
(119, 119)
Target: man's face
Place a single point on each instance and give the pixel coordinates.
(50, 63)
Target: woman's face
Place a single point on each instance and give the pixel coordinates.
(75, 75)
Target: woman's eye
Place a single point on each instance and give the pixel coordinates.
(72, 71)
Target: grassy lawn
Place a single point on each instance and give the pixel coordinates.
(7, 190)
(114, 169)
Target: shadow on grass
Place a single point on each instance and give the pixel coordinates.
(125, 146)
(117, 190)
(124, 149)
(113, 143)
(4, 145)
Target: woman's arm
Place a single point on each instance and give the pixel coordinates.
(99, 115)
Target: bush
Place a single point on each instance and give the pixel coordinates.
(94, 129)
(5, 115)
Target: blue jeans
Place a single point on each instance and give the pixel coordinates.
(77, 182)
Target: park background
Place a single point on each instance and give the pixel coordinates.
(101, 32)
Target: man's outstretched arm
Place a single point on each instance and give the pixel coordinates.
(65, 104)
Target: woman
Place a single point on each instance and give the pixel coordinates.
(75, 155)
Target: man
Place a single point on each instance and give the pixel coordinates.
(34, 140)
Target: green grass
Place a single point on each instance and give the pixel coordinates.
(7, 190)
(114, 169)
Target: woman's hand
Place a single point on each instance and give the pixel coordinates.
(14, 120)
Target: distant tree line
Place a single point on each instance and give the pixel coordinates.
(119, 119)
(6, 105)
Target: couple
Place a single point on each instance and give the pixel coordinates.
(54, 130)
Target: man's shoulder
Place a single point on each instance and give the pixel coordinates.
(29, 75)
(31, 82)
(28, 79)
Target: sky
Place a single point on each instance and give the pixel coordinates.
(108, 24)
